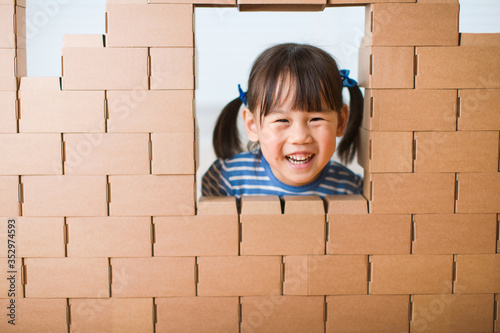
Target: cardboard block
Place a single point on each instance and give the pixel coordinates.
(260, 205)
(109, 237)
(87, 65)
(346, 204)
(364, 2)
(7, 26)
(457, 151)
(452, 313)
(199, 235)
(488, 39)
(67, 277)
(30, 154)
(151, 195)
(45, 108)
(197, 314)
(217, 206)
(8, 110)
(9, 196)
(281, 5)
(454, 233)
(367, 313)
(64, 195)
(282, 314)
(172, 68)
(232, 3)
(410, 110)
(477, 274)
(8, 71)
(173, 153)
(479, 109)
(377, 70)
(326, 275)
(411, 274)
(150, 111)
(478, 193)
(239, 276)
(303, 204)
(369, 234)
(21, 63)
(149, 25)
(36, 315)
(112, 315)
(106, 154)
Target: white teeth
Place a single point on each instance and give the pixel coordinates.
(299, 159)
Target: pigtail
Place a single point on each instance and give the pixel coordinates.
(347, 147)
(226, 139)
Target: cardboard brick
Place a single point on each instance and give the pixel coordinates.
(367, 313)
(8, 107)
(149, 25)
(107, 236)
(377, 70)
(112, 315)
(260, 205)
(9, 196)
(363, 2)
(151, 195)
(239, 276)
(472, 39)
(7, 26)
(21, 63)
(199, 235)
(64, 195)
(479, 109)
(281, 5)
(454, 233)
(8, 71)
(217, 206)
(150, 111)
(411, 274)
(153, 277)
(36, 315)
(369, 234)
(457, 151)
(172, 68)
(478, 193)
(346, 204)
(67, 277)
(386, 151)
(45, 108)
(477, 273)
(106, 154)
(282, 314)
(30, 154)
(87, 65)
(304, 204)
(452, 313)
(173, 153)
(326, 275)
(198, 2)
(197, 314)
(410, 110)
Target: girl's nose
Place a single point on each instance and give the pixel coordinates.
(300, 134)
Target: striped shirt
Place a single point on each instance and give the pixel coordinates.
(248, 174)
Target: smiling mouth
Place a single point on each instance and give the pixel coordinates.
(299, 158)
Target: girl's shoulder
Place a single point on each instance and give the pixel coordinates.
(339, 175)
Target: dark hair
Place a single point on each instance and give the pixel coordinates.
(315, 80)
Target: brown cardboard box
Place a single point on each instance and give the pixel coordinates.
(363, 2)
(172, 68)
(106, 154)
(367, 313)
(9, 196)
(36, 315)
(30, 154)
(452, 313)
(326, 275)
(377, 70)
(21, 25)
(410, 110)
(8, 70)
(109, 237)
(112, 315)
(151, 195)
(304, 204)
(88, 65)
(148, 25)
(197, 314)
(45, 108)
(239, 276)
(281, 5)
(198, 2)
(8, 111)
(153, 277)
(346, 204)
(21, 63)
(457, 151)
(64, 196)
(470, 39)
(454, 233)
(260, 205)
(412, 24)
(479, 109)
(150, 111)
(67, 277)
(282, 314)
(217, 206)
(411, 274)
(369, 234)
(477, 273)
(7, 26)
(199, 235)
(478, 193)
(173, 153)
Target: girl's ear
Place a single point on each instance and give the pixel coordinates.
(250, 125)
(343, 116)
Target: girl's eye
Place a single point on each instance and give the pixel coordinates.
(317, 119)
(282, 121)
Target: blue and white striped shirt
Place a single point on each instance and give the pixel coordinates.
(248, 174)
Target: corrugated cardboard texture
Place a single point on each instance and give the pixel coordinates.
(479, 109)
(269, 204)
(478, 193)
(478, 273)
(42, 315)
(172, 68)
(173, 153)
(346, 204)
(217, 206)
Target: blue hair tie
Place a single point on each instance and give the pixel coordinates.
(346, 80)
(243, 95)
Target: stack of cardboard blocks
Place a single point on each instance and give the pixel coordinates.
(98, 172)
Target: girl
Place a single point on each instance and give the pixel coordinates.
(293, 113)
